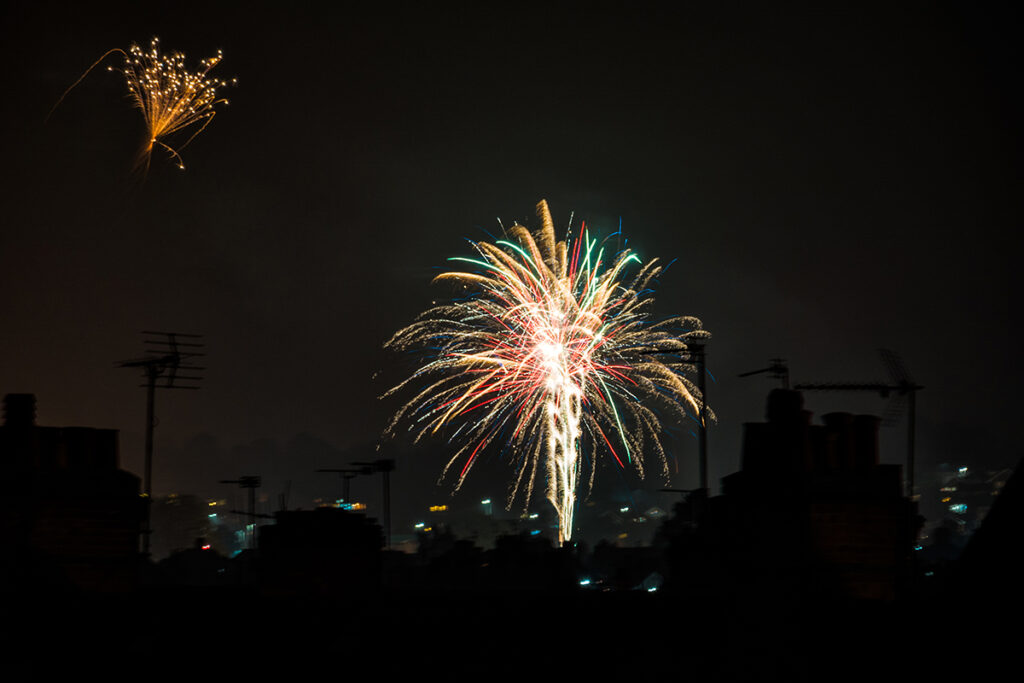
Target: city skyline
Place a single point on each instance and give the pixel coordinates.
(831, 183)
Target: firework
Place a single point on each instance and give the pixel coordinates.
(553, 357)
(170, 97)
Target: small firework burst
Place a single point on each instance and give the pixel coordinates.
(170, 96)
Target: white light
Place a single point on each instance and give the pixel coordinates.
(485, 501)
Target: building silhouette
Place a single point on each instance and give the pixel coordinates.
(812, 511)
(70, 518)
(325, 551)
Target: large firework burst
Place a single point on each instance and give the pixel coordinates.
(553, 357)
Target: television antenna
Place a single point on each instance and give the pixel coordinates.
(166, 365)
(903, 389)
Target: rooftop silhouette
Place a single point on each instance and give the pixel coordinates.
(71, 518)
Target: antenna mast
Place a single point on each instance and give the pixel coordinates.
(166, 355)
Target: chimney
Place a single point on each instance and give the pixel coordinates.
(839, 428)
(865, 437)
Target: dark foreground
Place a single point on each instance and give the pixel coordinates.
(212, 633)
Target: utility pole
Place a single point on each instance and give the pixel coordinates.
(166, 355)
(699, 357)
(695, 353)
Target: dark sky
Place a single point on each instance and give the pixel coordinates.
(831, 181)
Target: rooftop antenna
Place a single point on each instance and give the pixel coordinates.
(166, 365)
(902, 386)
(283, 497)
(251, 482)
(385, 466)
(777, 368)
(347, 475)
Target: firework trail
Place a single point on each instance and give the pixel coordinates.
(170, 97)
(553, 357)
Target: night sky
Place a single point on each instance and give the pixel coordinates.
(830, 182)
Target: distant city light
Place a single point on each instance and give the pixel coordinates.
(419, 525)
(212, 515)
(962, 471)
(535, 532)
(958, 508)
(584, 582)
(534, 515)
(438, 508)
(206, 547)
(624, 509)
(485, 501)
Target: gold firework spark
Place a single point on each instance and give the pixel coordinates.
(170, 97)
